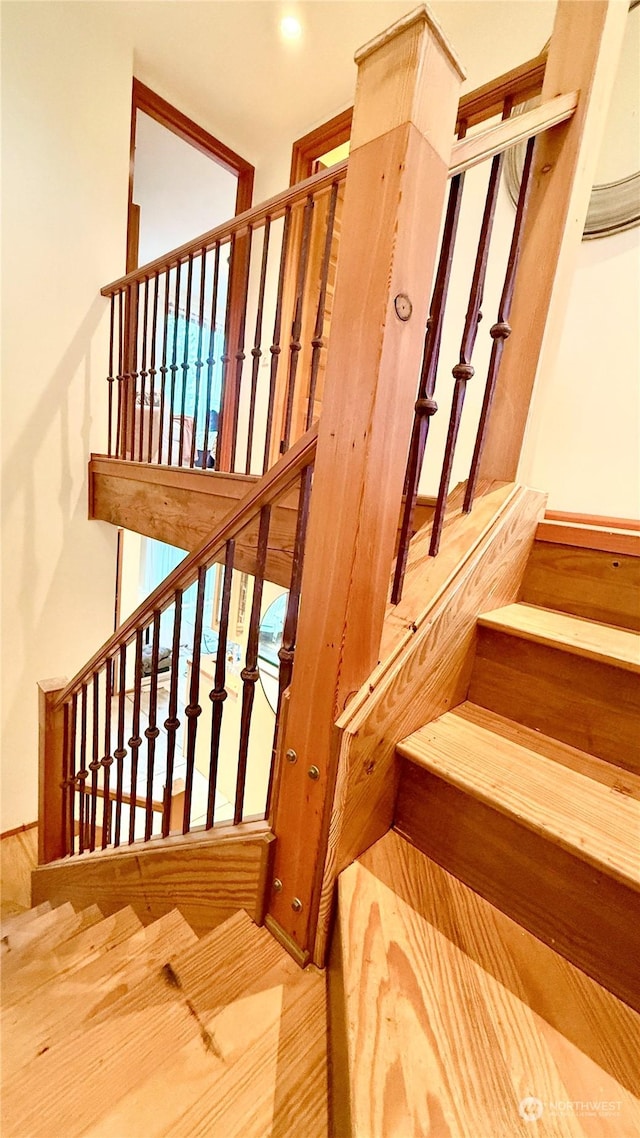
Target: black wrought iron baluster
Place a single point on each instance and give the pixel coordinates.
(94, 765)
(152, 365)
(71, 781)
(464, 371)
(426, 405)
(120, 378)
(132, 365)
(163, 369)
(185, 358)
(152, 731)
(218, 693)
(172, 723)
(135, 741)
(317, 342)
(210, 356)
(256, 351)
(173, 367)
(110, 377)
(226, 354)
(120, 752)
(286, 653)
(276, 348)
(199, 362)
(64, 798)
(250, 673)
(193, 709)
(295, 345)
(501, 330)
(143, 366)
(240, 353)
(83, 773)
(107, 761)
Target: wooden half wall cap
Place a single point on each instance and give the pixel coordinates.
(420, 15)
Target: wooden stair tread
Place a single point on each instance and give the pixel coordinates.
(11, 925)
(72, 954)
(454, 1014)
(58, 1009)
(67, 925)
(523, 774)
(602, 642)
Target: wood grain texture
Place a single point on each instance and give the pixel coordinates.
(584, 703)
(207, 879)
(55, 1011)
(19, 951)
(13, 921)
(183, 508)
(388, 246)
(493, 1015)
(614, 539)
(591, 583)
(426, 676)
(51, 838)
(18, 856)
(521, 83)
(585, 816)
(573, 634)
(582, 56)
(569, 905)
(478, 148)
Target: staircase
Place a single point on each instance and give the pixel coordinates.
(113, 1029)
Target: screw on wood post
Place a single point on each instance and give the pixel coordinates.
(51, 773)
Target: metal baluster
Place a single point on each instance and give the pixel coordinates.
(173, 368)
(73, 727)
(108, 757)
(218, 693)
(464, 371)
(501, 330)
(152, 731)
(172, 722)
(94, 765)
(256, 351)
(110, 377)
(120, 752)
(210, 356)
(275, 348)
(143, 365)
(296, 328)
(317, 343)
(199, 363)
(120, 377)
(163, 369)
(132, 374)
(185, 358)
(426, 405)
(135, 741)
(193, 710)
(65, 775)
(152, 364)
(240, 354)
(226, 354)
(83, 773)
(250, 674)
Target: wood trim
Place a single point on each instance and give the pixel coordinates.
(521, 83)
(470, 152)
(266, 490)
(334, 132)
(612, 540)
(254, 217)
(18, 830)
(51, 838)
(600, 520)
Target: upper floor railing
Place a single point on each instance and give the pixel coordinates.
(216, 351)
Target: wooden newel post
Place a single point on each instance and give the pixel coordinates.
(403, 130)
(51, 830)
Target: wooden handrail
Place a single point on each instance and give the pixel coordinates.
(273, 208)
(480, 147)
(277, 480)
(519, 84)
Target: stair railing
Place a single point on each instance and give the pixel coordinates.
(107, 733)
(216, 349)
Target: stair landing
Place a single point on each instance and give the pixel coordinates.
(460, 1024)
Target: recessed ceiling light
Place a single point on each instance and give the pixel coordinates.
(290, 28)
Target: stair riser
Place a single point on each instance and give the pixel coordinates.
(578, 911)
(588, 704)
(590, 583)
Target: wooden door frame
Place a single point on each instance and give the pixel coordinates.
(317, 142)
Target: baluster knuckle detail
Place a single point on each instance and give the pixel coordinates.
(500, 331)
(464, 372)
(425, 406)
(193, 710)
(218, 696)
(249, 675)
